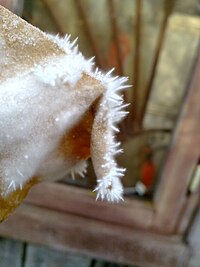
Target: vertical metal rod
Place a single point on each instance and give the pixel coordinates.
(89, 33)
(53, 17)
(136, 67)
(115, 35)
(119, 67)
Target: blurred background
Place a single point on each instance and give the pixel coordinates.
(155, 44)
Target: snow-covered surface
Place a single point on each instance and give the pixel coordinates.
(41, 104)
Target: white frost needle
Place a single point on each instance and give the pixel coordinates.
(49, 87)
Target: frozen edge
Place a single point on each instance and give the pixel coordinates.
(117, 112)
(108, 187)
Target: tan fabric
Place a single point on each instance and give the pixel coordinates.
(22, 45)
(57, 113)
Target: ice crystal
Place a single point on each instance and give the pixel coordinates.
(42, 102)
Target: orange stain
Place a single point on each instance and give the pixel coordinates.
(76, 142)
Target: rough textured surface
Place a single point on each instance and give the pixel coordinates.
(21, 45)
(11, 253)
(44, 257)
(96, 238)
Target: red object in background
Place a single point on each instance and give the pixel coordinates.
(148, 171)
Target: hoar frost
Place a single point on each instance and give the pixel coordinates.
(45, 101)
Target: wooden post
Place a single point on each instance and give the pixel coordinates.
(181, 160)
(68, 232)
(89, 33)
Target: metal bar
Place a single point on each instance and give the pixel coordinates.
(115, 35)
(168, 6)
(119, 67)
(88, 30)
(136, 75)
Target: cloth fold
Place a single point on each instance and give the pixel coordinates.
(56, 111)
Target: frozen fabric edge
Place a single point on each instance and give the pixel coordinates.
(51, 73)
(56, 71)
(109, 186)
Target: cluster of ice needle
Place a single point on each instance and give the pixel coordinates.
(109, 186)
(112, 106)
(27, 92)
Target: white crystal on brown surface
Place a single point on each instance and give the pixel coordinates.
(55, 111)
